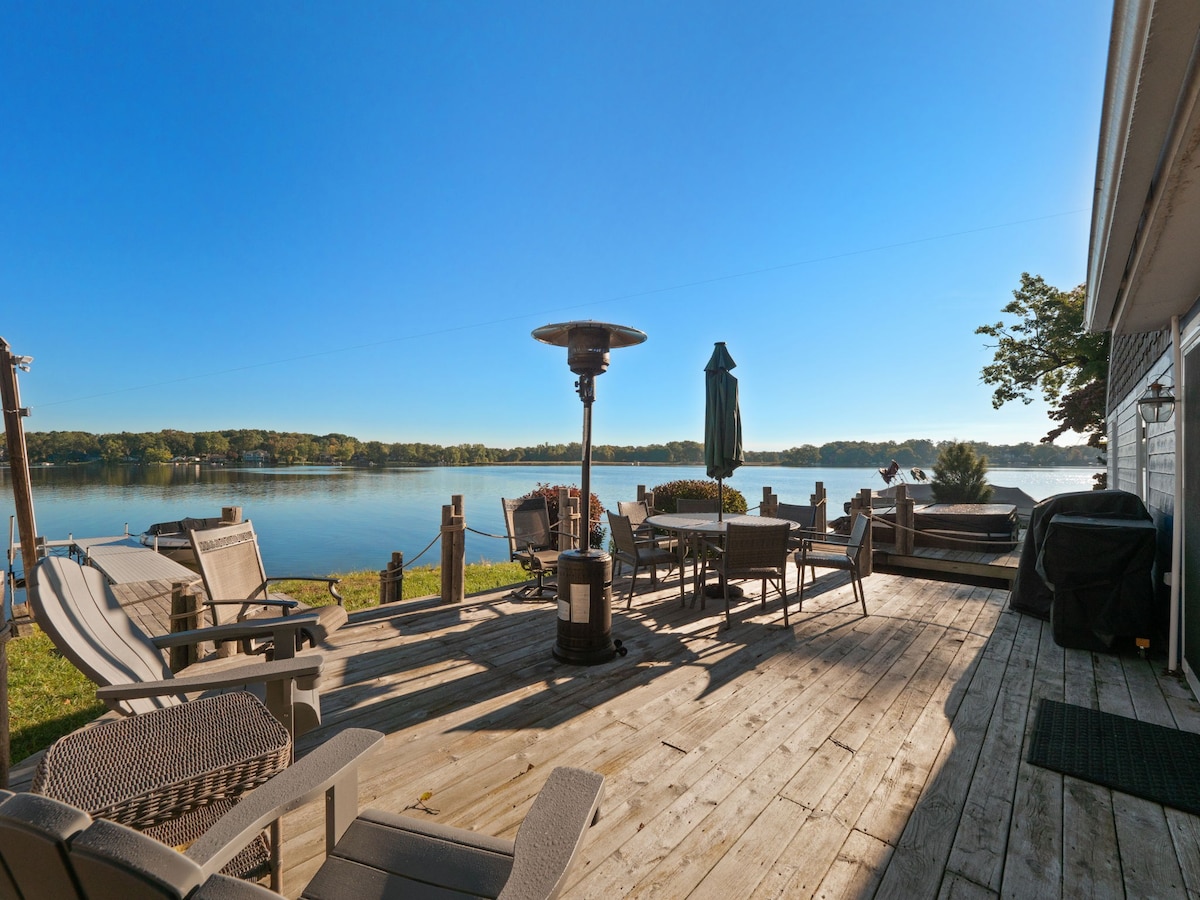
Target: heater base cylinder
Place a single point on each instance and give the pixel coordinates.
(584, 608)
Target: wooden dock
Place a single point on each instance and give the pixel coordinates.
(843, 757)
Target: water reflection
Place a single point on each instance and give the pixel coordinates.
(316, 520)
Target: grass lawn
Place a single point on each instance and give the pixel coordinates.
(48, 697)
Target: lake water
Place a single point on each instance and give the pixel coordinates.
(318, 520)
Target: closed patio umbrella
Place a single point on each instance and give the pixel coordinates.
(722, 421)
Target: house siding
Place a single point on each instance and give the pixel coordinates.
(1132, 358)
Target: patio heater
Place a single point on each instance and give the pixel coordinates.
(584, 574)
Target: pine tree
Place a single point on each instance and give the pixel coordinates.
(960, 476)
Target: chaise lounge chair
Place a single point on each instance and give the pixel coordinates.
(77, 609)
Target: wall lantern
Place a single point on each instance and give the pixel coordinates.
(585, 575)
(1157, 405)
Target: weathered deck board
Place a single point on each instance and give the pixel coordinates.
(842, 757)
(846, 756)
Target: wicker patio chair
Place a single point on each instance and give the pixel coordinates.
(639, 553)
(532, 543)
(77, 609)
(690, 505)
(836, 552)
(234, 577)
(752, 551)
(51, 849)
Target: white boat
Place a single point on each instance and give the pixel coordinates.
(171, 538)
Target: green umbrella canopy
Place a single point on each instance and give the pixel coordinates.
(722, 418)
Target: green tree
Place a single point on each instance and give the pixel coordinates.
(960, 476)
(1048, 348)
(209, 442)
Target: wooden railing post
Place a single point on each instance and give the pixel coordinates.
(185, 616)
(904, 521)
(231, 515)
(770, 503)
(863, 506)
(577, 522)
(565, 537)
(454, 534)
(821, 522)
(391, 580)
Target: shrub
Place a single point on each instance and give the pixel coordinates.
(960, 476)
(665, 495)
(550, 492)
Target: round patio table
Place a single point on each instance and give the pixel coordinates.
(693, 527)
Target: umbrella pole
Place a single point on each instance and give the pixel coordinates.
(720, 499)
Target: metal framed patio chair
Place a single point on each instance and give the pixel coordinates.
(637, 511)
(752, 551)
(804, 516)
(51, 849)
(76, 608)
(639, 553)
(836, 552)
(533, 543)
(239, 588)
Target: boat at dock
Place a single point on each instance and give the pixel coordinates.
(172, 540)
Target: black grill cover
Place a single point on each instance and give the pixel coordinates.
(1030, 593)
(1102, 574)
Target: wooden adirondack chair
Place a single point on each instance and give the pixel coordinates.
(238, 586)
(77, 609)
(51, 850)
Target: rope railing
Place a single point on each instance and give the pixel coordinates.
(982, 539)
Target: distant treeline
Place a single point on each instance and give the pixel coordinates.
(290, 448)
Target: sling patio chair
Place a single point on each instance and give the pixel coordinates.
(532, 542)
(752, 551)
(76, 608)
(836, 552)
(639, 553)
(234, 577)
(50, 849)
(691, 505)
(637, 512)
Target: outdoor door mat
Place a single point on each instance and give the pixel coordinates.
(1148, 761)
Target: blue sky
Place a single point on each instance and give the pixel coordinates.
(348, 217)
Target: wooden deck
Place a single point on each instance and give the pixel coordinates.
(843, 757)
(998, 569)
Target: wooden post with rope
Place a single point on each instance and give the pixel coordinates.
(817, 499)
(391, 580)
(770, 503)
(861, 505)
(454, 533)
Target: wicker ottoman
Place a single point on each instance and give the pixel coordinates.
(172, 772)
